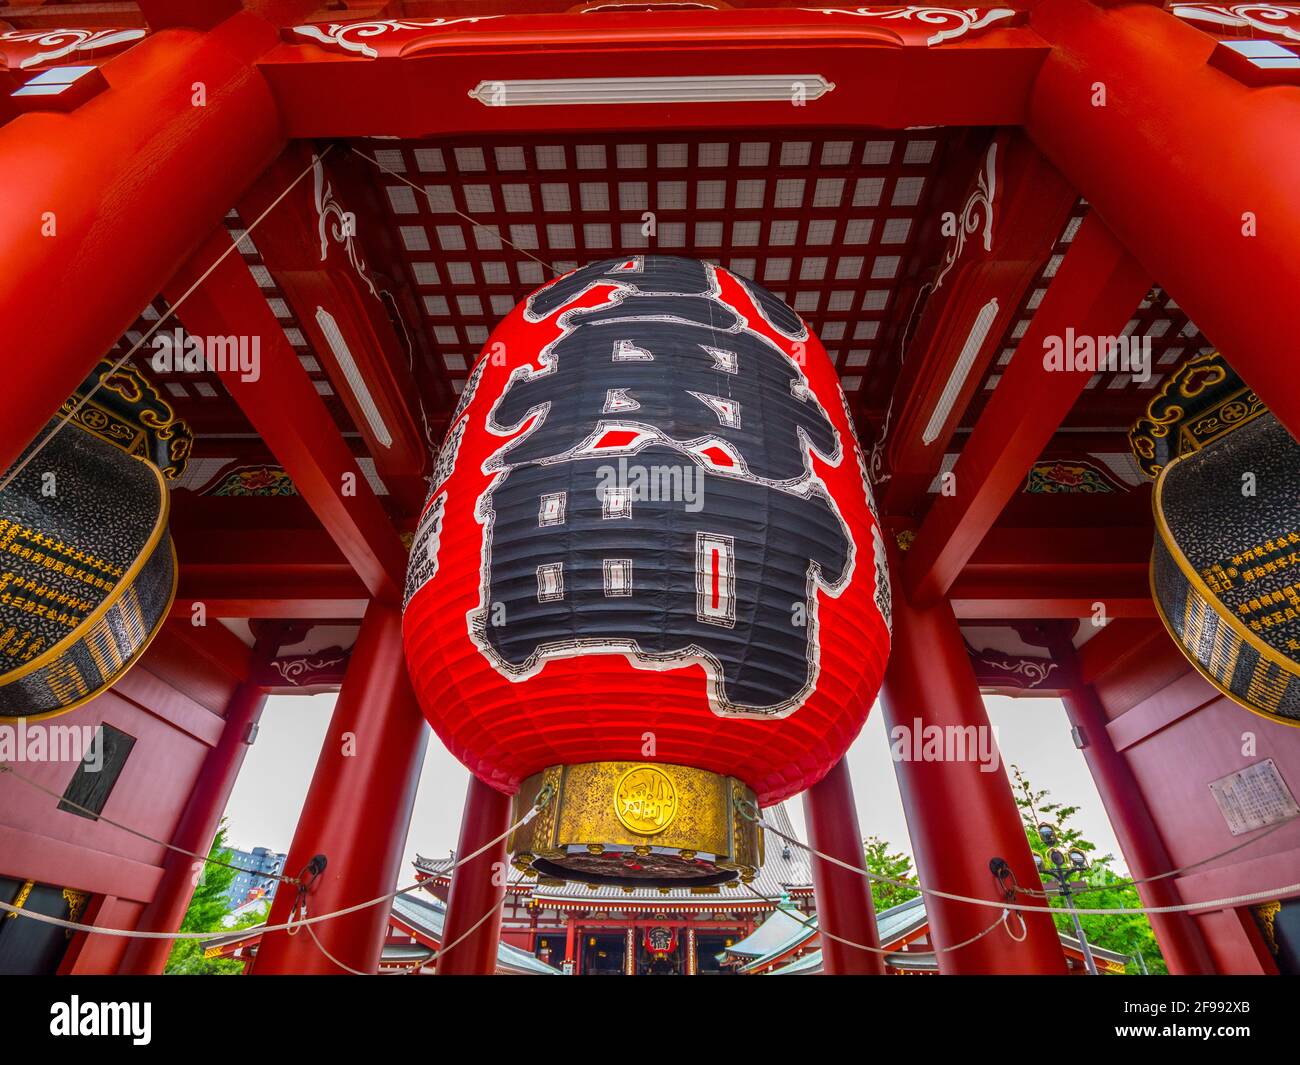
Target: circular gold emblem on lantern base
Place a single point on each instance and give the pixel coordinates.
(645, 801)
(638, 824)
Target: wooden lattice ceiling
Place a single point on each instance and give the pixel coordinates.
(828, 221)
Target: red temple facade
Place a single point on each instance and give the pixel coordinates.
(338, 206)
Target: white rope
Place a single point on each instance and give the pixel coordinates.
(321, 947)
(469, 931)
(292, 926)
(1187, 907)
(128, 933)
(417, 966)
(207, 859)
(880, 950)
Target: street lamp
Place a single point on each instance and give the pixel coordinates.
(1061, 869)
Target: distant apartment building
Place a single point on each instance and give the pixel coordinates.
(256, 878)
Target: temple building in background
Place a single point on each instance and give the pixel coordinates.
(768, 927)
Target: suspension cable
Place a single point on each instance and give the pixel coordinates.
(19, 466)
(7, 768)
(493, 230)
(816, 927)
(292, 926)
(749, 812)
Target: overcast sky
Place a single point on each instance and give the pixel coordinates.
(1032, 733)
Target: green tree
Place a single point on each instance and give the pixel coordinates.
(208, 908)
(1100, 888)
(883, 861)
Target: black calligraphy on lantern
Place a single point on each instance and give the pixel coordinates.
(657, 498)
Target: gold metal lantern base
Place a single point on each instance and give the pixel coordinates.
(638, 824)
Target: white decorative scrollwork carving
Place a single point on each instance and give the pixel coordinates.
(1275, 20)
(876, 463)
(332, 222)
(56, 44)
(293, 670)
(978, 210)
(955, 21)
(1034, 670)
(352, 36)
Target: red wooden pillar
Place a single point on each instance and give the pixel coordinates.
(358, 809)
(197, 829)
(570, 952)
(102, 205)
(477, 886)
(1194, 172)
(843, 898)
(290, 416)
(1180, 939)
(959, 817)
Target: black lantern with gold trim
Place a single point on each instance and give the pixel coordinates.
(87, 567)
(1225, 571)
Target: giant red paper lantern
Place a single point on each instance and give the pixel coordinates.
(649, 572)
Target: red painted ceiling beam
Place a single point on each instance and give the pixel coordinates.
(237, 593)
(190, 14)
(1126, 641)
(260, 557)
(1029, 600)
(358, 184)
(101, 206)
(1195, 172)
(1100, 513)
(1018, 203)
(1058, 555)
(215, 643)
(1057, 572)
(284, 407)
(37, 14)
(315, 250)
(884, 72)
(1093, 294)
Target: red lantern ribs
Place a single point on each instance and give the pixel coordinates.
(649, 578)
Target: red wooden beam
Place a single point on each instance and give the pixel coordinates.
(1011, 599)
(844, 908)
(1093, 294)
(37, 14)
(1018, 203)
(259, 558)
(357, 183)
(473, 921)
(215, 643)
(291, 417)
(1066, 552)
(1057, 572)
(884, 71)
(1117, 644)
(960, 817)
(102, 205)
(1223, 246)
(198, 826)
(357, 811)
(191, 14)
(317, 254)
(240, 591)
(1129, 813)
